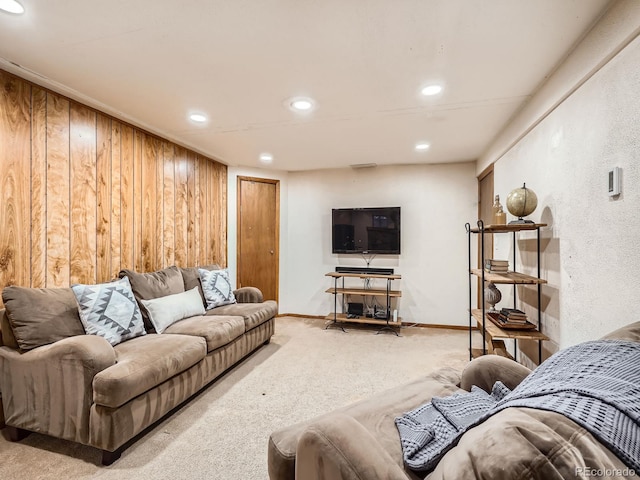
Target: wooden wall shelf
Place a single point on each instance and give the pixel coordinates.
(494, 331)
(509, 278)
(374, 292)
(342, 317)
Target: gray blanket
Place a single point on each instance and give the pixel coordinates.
(595, 384)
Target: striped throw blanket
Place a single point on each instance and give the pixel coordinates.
(595, 384)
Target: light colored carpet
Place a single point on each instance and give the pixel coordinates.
(222, 432)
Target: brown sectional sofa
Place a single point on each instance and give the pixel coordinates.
(83, 389)
(361, 441)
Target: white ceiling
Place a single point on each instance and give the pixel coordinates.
(151, 62)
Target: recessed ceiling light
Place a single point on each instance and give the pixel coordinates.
(266, 157)
(301, 104)
(11, 6)
(198, 117)
(422, 146)
(431, 90)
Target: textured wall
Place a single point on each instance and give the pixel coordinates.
(84, 195)
(590, 253)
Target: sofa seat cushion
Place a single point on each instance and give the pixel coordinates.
(217, 330)
(143, 363)
(254, 314)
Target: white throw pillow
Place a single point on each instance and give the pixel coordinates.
(216, 287)
(109, 310)
(167, 310)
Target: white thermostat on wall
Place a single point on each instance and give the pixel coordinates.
(614, 181)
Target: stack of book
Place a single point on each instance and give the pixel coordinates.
(492, 265)
(512, 315)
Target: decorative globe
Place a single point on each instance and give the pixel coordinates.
(522, 202)
(492, 295)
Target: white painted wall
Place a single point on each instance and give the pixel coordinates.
(436, 201)
(590, 254)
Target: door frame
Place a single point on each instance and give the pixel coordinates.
(275, 182)
(485, 173)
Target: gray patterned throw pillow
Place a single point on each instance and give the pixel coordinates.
(109, 310)
(216, 287)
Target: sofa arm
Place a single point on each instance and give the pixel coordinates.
(337, 447)
(486, 370)
(49, 389)
(248, 295)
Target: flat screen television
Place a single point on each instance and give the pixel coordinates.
(366, 230)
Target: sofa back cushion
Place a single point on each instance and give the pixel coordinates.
(191, 278)
(7, 338)
(147, 286)
(39, 316)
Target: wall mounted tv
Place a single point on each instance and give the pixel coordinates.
(366, 230)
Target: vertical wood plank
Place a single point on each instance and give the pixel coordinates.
(58, 206)
(159, 236)
(169, 204)
(181, 207)
(213, 225)
(15, 191)
(137, 203)
(149, 213)
(127, 198)
(211, 214)
(197, 209)
(191, 209)
(104, 200)
(222, 210)
(116, 199)
(38, 187)
(82, 133)
(206, 213)
(204, 223)
(218, 214)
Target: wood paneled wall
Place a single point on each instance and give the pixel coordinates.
(85, 195)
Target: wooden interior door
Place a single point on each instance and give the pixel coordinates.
(259, 234)
(485, 213)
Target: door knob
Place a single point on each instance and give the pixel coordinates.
(271, 252)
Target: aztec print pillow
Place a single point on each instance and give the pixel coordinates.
(109, 310)
(216, 287)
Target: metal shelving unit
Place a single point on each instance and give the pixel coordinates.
(491, 331)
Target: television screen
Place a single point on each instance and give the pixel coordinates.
(366, 230)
